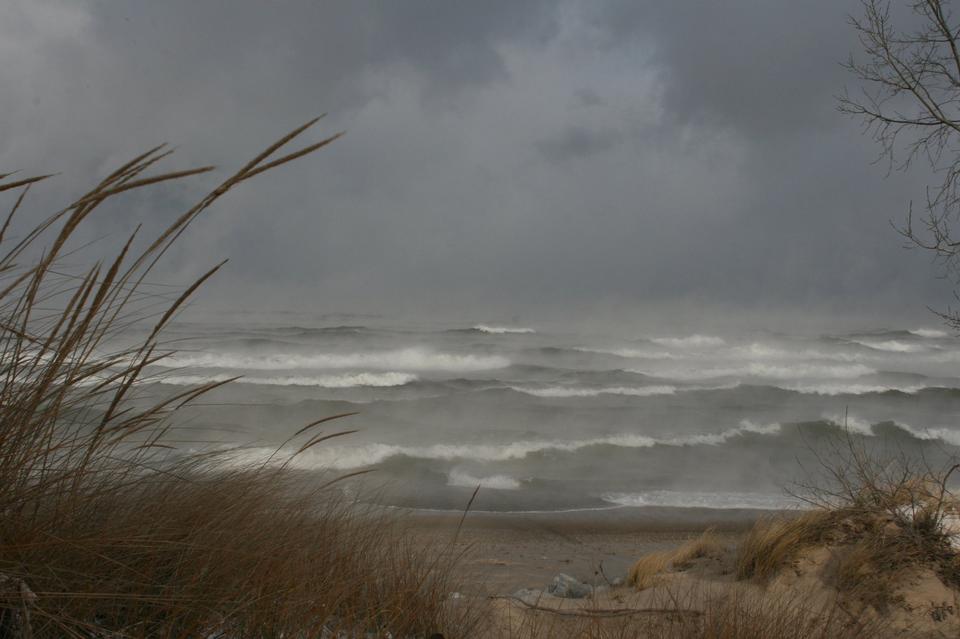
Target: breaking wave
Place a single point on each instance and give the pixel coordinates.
(835, 388)
(696, 499)
(349, 457)
(496, 482)
(501, 330)
(863, 427)
(929, 333)
(569, 391)
(773, 371)
(401, 359)
(349, 380)
(890, 345)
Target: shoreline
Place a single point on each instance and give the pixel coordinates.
(506, 551)
(612, 519)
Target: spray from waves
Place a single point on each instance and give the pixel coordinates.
(496, 482)
(890, 345)
(931, 333)
(501, 330)
(695, 499)
(692, 341)
(407, 359)
(349, 457)
(772, 371)
(570, 391)
(349, 380)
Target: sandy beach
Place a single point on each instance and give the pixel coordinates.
(504, 552)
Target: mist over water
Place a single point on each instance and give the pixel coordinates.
(544, 419)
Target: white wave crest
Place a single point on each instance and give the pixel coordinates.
(571, 391)
(758, 350)
(860, 426)
(692, 341)
(496, 482)
(501, 330)
(350, 380)
(770, 371)
(929, 333)
(696, 499)
(849, 389)
(349, 457)
(407, 359)
(947, 435)
(852, 423)
(891, 346)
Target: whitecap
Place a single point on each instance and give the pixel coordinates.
(349, 457)
(501, 330)
(891, 346)
(772, 371)
(698, 499)
(495, 482)
(929, 333)
(349, 380)
(572, 391)
(406, 359)
(835, 388)
(851, 423)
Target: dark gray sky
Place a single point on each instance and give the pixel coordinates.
(529, 157)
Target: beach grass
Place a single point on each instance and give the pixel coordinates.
(107, 529)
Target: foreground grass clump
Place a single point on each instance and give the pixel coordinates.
(113, 530)
(774, 541)
(646, 572)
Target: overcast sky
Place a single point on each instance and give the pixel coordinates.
(527, 157)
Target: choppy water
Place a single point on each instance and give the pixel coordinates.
(547, 420)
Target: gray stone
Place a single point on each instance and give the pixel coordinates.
(569, 587)
(528, 595)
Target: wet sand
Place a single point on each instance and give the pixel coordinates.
(504, 552)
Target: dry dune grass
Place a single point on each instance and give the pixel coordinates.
(774, 541)
(116, 532)
(647, 570)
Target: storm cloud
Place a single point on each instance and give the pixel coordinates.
(518, 156)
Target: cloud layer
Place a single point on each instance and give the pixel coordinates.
(517, 156)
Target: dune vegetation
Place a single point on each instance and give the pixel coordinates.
(878, 549)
